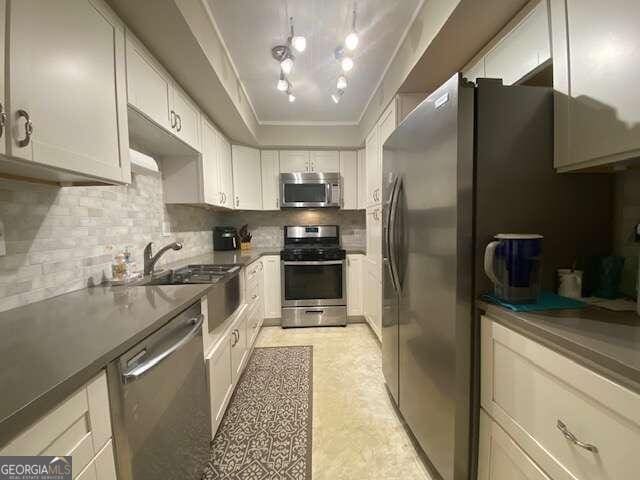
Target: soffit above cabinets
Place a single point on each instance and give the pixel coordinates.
(250, 29)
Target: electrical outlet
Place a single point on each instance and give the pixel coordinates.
(3, 246)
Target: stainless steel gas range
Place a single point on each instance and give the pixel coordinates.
(314, 287)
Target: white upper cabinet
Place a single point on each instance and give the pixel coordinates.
(247, 178)
(521, 50)
(387, 123)
(362, 180)
(270, 179)
(349, 174)
(294, 161)
(212, 192)
(475, 71)
(148, 85)
(67, 90)
(373, 167)
(596, 67)
(186, 118)
(324, 161)
(226, 172)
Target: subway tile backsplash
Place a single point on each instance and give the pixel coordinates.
(63, 239)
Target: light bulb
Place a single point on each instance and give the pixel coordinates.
(283, 85)
(292, 98)
(347, 64)
(299, 43)
(341, 84)
(336, 97)
(351, 42)
(286, 65)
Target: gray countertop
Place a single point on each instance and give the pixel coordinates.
(53, 347)
(606, 341)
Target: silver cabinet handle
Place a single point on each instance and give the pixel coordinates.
(237, 201)
(573, 439)
(277, 202)
(28, 128)
(138, 371)
(3, 119)
(221, 195)
(172, 116)
(235, 337)
(254, 296)
(179, 121)
(224, 198)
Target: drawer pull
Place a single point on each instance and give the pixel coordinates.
(573, 439)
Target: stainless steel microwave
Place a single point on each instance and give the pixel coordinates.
(310, 190)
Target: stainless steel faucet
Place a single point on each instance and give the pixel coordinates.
(151, 260)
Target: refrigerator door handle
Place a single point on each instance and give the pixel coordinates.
(391, 232)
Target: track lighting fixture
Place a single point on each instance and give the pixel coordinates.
(337, 96)
(283, 84)
(284, 56)
(351, 42)
(341, 84)
(287, 65)
(346, 63)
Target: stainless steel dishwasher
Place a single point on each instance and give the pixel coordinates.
(160, 404)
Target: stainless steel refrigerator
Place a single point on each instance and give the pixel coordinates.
(469, 162)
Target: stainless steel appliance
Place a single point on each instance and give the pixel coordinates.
(467, 163)
(225, 238)
(317, 190)
(314, 289)
(160, 403)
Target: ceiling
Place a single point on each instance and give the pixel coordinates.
(250, 28)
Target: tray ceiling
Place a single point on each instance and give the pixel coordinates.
(250, 28)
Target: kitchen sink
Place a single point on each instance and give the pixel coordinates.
(191, 274)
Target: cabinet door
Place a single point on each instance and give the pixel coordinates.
(387, 124)
(220, 380)
(3, 103)
(373, 292)
(272, 287)
(374, 234)
(596, 56)
(349, 173)
(187, 122)
(294, 161)
(210, 167)
(238, 346)
(67, 73)
(105, 463)
(226, 172)
(362, 180)
(148, 86)
(270, 180)
(324, 161)
(500, 458)
(522, 49)
(374, 168)
(247, 178)
(354, 284)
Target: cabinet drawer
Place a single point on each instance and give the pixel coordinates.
(528, 389)
(253, 270)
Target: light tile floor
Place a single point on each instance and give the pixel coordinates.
(356, 432)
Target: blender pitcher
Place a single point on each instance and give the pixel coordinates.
(512, 263)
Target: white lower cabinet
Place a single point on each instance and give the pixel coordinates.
(220, 380)
(500, 458)
(354, 284)
(272, 286)
(548, 403)
(80, 426)
(373, 297)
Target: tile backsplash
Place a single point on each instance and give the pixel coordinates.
(64, 239)
(267, 227)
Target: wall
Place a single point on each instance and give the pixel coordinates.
(64, 239)
(626, 202)
(267, 227)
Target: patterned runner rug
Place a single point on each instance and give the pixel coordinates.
(266, 430)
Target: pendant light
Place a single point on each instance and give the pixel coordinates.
(337, 96)
(287, 65)
(341, 84)
(347, 64)
(297, 41)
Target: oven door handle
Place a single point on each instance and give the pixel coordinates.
(320, 262)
